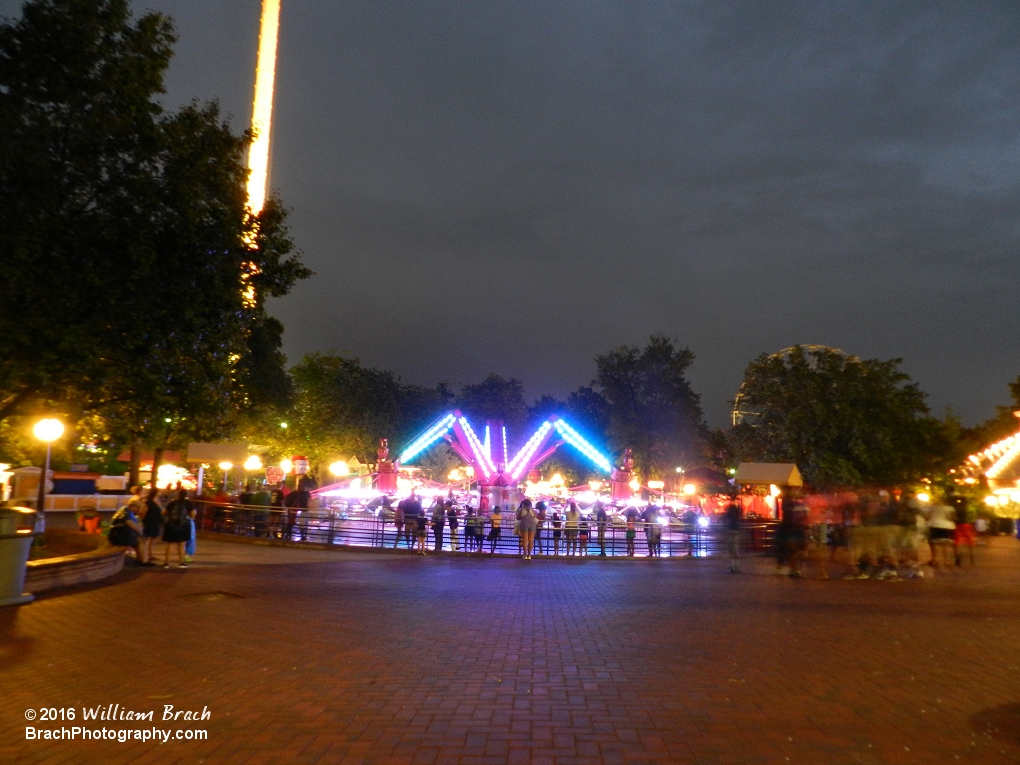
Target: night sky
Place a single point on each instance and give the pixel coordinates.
(519, 186)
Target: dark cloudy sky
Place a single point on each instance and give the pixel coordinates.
(517, 186)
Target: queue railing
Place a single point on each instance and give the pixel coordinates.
(342, 527)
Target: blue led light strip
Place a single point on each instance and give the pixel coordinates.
(425, 440)
(574, 438)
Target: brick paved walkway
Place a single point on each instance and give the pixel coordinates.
(391, 658)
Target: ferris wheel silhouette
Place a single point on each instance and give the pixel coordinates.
(741, 415)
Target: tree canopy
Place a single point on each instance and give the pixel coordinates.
(650, 405)
(125, 233)
(844, 421)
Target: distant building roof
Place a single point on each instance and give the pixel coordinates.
(779, 473)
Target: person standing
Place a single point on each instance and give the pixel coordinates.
(296, 502)
(631, 516)
(276, 510)
(177, 527)
(557, 524)
(152, 525)
(539, 526)
(650, 518)
(496, 523)
(480, 530)
(261, 498)
(528, 524)
(452, 522)
(438, 522)
(601, 521)
(733, 513)
(422, 530)
(412, 510)
(469, 529)
(582, 536)
(398, 522)
(571, 524)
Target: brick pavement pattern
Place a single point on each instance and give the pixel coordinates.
(394, 659)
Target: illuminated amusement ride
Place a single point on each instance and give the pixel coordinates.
(497, 471)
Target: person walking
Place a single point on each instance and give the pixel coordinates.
(152, 525)
(963, 534)
(177, 527)
(582, 536)
(453, 523)
(941, 532)
(528, 525)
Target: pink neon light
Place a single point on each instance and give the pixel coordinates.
(505, 453)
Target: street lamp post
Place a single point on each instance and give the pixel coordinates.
(47, 430)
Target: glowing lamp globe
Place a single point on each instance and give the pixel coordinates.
(690, 489)
(923, 496)
(635, 485)
(48, 429)
(991, 500)
(253, 463)
(339, 468)
(226, 465)
(286, 466)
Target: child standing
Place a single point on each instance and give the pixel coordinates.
(494, 532)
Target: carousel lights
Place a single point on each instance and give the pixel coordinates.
(575, 439)
(428, 438)
(506, 453)
(487, 443)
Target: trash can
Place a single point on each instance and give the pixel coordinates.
(14, 547)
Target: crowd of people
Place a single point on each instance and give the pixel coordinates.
(881, 537)
(540, 529)
(168, 516)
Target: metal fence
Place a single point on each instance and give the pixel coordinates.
(358, 529)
